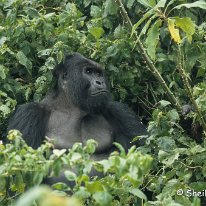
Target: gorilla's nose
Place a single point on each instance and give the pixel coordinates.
(100, 84)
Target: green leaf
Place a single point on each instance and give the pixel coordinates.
(197, 149)
(60, 186)
(153, 39)
(33, 13)
(2, 183)
(103, 198)
(96, 11)
(71, 176)
(3, 72)
(137, 193)
(161, 4)
(90, 146)
(167, 158)
(97, 32)
(199, 4)
(21, 57)
(5, 110)
(2, 40)
(82, 193)
(164, 103)
(187, 25)
(145, 16)
(87, 2)
(148, 3)
(198, 186)
(93, 187)
(111, 8)
(130, 3)
(58, 152)
(173, 115)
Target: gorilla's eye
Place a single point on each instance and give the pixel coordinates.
(89, 70)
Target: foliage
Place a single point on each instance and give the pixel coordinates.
(23, 167)
(35, 35)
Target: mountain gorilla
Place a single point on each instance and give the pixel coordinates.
(78, 108)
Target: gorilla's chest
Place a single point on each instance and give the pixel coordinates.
(66, 130)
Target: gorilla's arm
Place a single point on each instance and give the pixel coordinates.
(125, 123)
(31, 120)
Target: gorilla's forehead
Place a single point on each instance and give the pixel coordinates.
(79, 60)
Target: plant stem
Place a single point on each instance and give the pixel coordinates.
(147, 59)
(189, 91)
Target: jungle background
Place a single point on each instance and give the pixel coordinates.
(154, 54)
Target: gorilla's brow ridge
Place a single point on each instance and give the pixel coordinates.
(86, 63)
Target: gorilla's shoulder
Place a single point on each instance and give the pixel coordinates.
(30, 111)
(126, 121)
(31, 120)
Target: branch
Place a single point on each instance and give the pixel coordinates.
(189, 92)
(147, 59)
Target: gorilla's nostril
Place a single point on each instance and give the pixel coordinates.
(99, 83)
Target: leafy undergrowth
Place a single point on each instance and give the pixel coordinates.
(23, 167)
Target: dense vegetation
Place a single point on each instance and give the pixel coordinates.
(154, 55)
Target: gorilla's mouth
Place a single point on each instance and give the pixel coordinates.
(98, 92)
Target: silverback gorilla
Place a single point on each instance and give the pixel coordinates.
(78, 108)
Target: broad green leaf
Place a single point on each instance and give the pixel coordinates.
(87, 2)
(199, 4)
(33, 13)
(21, 57)
(145, 16)
(167, 158)
(93, 187)
(198, 186)
(90, 146)
(111, 8)
(120, 148)
(71, 176)
(96, 11)
(3, 72)
(161, 4)
(58, 152)
(137, 193)
(2, 40)
(173, 31)
(97, 32)
(119, 32)
(153, 39)
(187, 25)
(2, 183)
(173, 115)
(197, 149)
(166, 143)
(148, 3)
(82, 193)
(103, 198)
(5, 110)
(164, 103)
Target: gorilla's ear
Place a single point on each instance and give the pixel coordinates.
(58, 69)
(61, 67)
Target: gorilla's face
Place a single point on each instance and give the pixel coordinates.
(83, 80)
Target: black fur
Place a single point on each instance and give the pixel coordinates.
(31, 119)
(127, 125)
